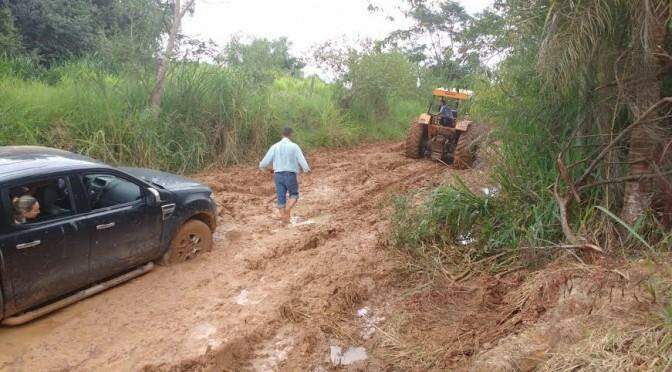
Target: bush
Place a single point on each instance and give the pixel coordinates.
(379, 80)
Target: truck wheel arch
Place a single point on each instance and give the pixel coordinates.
(206, 218)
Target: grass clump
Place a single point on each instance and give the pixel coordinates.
(456, 221)
(209, 113)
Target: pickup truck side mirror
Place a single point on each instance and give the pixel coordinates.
(153, 198)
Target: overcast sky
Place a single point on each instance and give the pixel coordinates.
(304, 22)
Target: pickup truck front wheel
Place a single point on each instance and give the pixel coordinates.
(191, 239)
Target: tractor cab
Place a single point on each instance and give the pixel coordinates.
(452, 98)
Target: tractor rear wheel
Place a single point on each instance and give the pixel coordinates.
(468, 145)
(414, 141)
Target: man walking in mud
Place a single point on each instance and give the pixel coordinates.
(286, 157)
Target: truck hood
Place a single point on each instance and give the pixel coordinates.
(166, 180)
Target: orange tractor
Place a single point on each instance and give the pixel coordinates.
(443, 137)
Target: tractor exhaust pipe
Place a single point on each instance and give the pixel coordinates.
(34, 314)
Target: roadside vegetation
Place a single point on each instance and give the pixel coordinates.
(578, 152)
(90, 93)
(209, 114)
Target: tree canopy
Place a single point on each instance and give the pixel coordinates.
(261, 55)
(54, 30)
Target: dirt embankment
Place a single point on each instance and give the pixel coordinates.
(322, 294)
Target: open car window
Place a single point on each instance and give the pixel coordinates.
(53, 197)
(107, 190)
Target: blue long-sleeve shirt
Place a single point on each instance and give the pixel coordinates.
(286, 156)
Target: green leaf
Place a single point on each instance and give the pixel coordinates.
(630, 229)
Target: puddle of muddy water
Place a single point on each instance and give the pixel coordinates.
(243, 299)
(202, 337)
(369, 322)
(300, 221)
(273, 354)
(351, 355)
(203, 331)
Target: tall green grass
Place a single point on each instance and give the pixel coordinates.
(209, 114)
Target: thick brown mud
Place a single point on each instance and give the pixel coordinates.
(267, 297)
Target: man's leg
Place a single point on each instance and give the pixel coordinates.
(293, 190)
(291, 202)
(281, 191)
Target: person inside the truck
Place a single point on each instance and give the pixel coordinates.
(26, 208)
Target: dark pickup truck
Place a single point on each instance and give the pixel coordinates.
(97, 226)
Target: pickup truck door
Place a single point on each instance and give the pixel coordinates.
(46, 258)
(125, 230)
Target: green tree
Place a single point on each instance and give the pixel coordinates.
(435, 39)
(133, 32)
(262, 56)
(166, 55)
(10, 40)
(55, 29)
(377, 80)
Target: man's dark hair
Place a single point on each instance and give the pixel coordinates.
(287, 131)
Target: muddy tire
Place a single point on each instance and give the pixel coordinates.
(413, 147)
(191, 239)
(468, 145)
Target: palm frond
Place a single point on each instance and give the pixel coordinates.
(576, 32)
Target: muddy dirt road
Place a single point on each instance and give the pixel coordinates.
(267, 297)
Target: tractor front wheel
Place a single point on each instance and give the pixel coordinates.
(414, 141)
